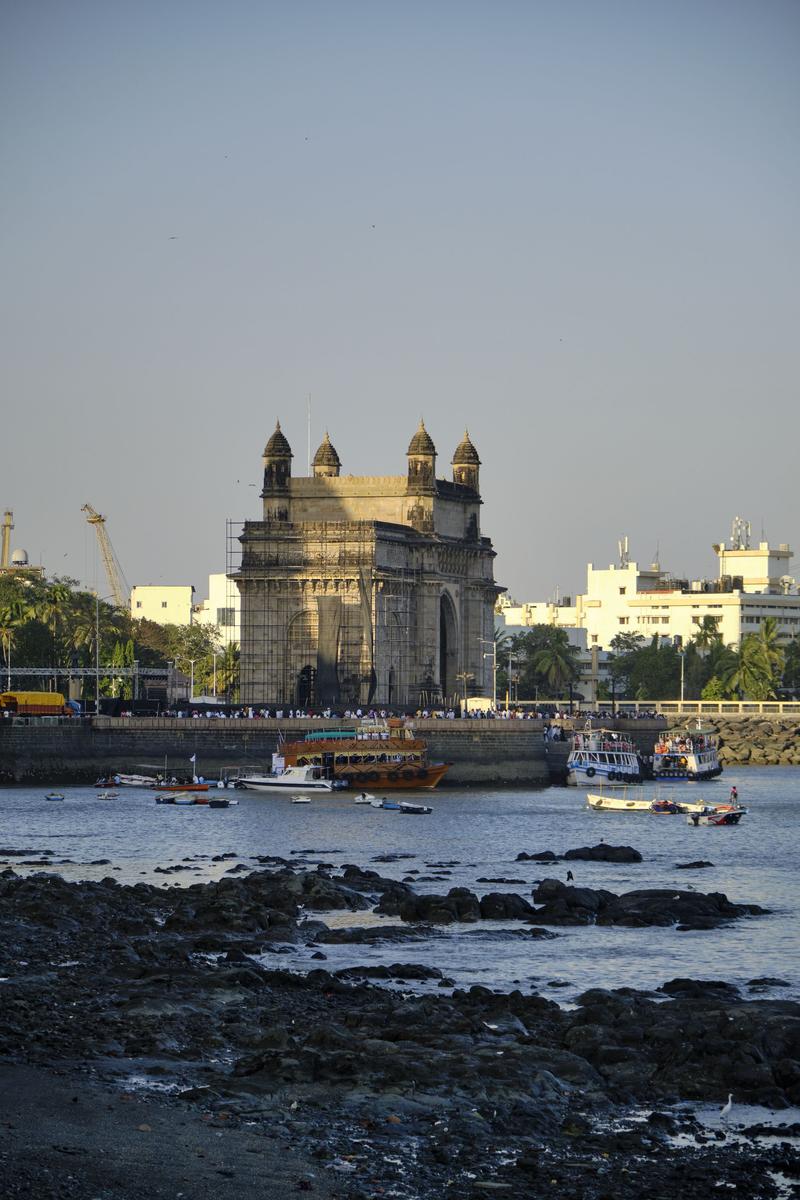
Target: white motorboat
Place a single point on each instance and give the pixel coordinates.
(301, 799)
(720, 814)
(292, 779)
(364, 798)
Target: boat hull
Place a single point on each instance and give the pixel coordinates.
(656, 806)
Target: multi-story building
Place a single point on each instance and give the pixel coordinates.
(165, 604)
(752, 583)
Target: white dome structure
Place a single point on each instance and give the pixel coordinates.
(19, 558)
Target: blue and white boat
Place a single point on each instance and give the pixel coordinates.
(602, 756)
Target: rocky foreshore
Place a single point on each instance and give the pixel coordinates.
(374, 1091)
(755, 741)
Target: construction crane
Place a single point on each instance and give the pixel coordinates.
(117, 583)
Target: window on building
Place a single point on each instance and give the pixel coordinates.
(163, 604)
(623, 620)
(622, 591)
(138, 604)
(226, 616)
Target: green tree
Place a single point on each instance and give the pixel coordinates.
(748, 675)
(791, 666)
(557, 663)
(714, 690)
(707, 634)
(228, 672)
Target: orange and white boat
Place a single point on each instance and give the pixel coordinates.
(373, 755)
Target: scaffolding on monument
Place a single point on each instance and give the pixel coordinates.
(291, 582)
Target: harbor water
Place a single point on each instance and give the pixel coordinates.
(471, 835)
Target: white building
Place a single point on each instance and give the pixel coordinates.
(175, 605)
(752, 584)
(165, 604)
(222, 608)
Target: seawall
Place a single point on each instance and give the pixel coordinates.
(482, 752)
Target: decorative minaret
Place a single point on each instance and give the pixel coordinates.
(466, 464)
(277, 473)
(326, 463)
(421, 463)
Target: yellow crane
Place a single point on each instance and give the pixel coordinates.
(117, 583)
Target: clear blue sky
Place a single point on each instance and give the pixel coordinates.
(571, 226)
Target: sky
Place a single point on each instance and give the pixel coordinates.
(570, 226)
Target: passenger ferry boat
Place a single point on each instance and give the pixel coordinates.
(374, 754)
(602, 754)
(680, 754)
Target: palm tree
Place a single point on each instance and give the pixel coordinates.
(14, 614)
(771, 651)
(228, 670)
(707, 634)
(747, 675)
(557, 661)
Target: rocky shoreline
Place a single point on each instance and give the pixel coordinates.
(374, 1091)
(755, 741)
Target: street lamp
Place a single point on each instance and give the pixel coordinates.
(493, 656)
(192, 661)
(465, 677)
(215, 675)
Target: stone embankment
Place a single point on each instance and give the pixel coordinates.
(482, 752)
(753, 741)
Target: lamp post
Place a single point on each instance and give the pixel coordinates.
(465, 677)
(192, 661)
(97, 654)
(493, 656)
(215, 675)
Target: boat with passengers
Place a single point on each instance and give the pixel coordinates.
(603, 754)
(684, 754)
(370, 755)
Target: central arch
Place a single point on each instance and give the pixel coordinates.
(448, 646)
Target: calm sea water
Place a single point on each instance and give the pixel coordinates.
(480, 833)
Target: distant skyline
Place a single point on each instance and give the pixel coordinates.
(571, 227)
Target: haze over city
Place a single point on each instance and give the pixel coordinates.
(570, 228)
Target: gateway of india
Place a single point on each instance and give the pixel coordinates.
(366, 591)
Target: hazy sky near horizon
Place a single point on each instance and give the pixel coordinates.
(570, 226)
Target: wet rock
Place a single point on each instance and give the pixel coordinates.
(693, 866)
(701, 989)
(604, 853)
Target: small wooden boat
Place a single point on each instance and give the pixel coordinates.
(301, 799)
(108, 796)
(221, 803)
(364, 798)
(415, 810)
(54, 796)
(165, 799)
(183, 787)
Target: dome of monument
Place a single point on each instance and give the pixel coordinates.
(326, 456)
(277, 446)
(19, 558)
(421, 443)
(466, 454)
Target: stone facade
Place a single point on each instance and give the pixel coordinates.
(366, 590)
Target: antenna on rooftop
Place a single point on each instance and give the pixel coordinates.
(308, 406)
(623, 551)
(656, 563)
(740, 534)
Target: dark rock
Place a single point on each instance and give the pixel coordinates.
(604, 853)
(700, 989)
(693, 866)
(537, 856)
